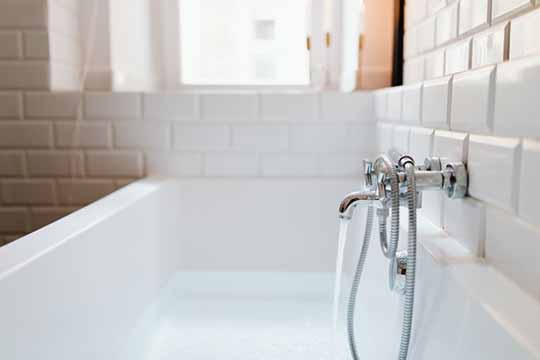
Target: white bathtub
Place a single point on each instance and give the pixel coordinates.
(239, 269)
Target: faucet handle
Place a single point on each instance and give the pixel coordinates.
(368, 172)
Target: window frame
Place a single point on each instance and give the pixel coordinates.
(318, 55)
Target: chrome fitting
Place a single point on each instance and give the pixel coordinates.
(456, 180)
(405, 160)
(398, 272)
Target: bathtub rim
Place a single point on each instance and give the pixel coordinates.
(24, 251)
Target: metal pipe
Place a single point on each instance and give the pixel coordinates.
(429, 180)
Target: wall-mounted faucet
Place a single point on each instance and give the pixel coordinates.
(391, 181)
(434, 174)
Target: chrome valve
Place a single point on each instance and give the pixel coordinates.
(434, 174)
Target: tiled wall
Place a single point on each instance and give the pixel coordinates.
(472, 81)
(39, 45)
(52, 160)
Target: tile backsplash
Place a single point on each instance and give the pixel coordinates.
(482, 109)
(62, 150)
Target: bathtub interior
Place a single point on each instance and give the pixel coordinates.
(241, 269)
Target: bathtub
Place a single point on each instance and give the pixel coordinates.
(240, 269)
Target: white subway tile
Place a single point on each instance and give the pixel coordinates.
(83, 135)
(417, 10)
(36, 45)
(412, 104)
(400, 139)
(381, 99)
(434, 6)
(228, 107)
(24, 14)
(28, 192)
(174, 164)
(10, 45)
(451, 146)
(27, 75)
(83, 192)
(26, 135)
(347, 107)
(425, 33)
(202, 137)
(330, 138)
(432, 207)
(142, 135)
(13, 220)
(458, 57)
(43, 216)
(55, 163)
(290, 165)
(473, 116)
(436, 103)
(11, 163)
(385, 137)
(289, 107)
(491, 47)
(340, 165)
(10, 105)
(473, 14)
(420, 143)
(413, 70)
(393, 110)
(529, 192)
(504, 8)
(408, 16)
(114, 164)
(99, 80)
(231, 164)
(110, 106)
(464, 220)
(173, 107)
(52, 105)
(447, 24)
(410, 39)
(260, 138)
(524, 39)
(434, 64)
(493, 166)
(516, 98)
(512, 246)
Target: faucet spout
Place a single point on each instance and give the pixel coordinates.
(356, 199)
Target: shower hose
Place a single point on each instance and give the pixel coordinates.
(390, 252)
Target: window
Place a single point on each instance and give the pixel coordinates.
(244, 42)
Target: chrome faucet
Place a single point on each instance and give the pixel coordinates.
(391, 181)
(434, 174)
